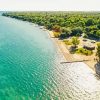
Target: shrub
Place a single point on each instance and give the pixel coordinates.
(56, 34)
(77, 30)
(98, 51)
(98, 33)
(85, 36)
(75, 41)
(89, 22)
(56, 28)
(67, 42)
(63, 35)
(84, 51)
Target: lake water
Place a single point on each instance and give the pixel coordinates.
(30, 67)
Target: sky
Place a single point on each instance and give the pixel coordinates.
(49, 5)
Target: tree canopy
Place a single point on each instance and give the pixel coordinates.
(77, 22)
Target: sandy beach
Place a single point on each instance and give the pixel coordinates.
(89, 60)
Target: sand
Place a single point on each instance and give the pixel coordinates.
(89, 60)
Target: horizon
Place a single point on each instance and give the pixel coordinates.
(49, 5)
(49, 11)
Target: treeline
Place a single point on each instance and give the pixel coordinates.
(66, 23)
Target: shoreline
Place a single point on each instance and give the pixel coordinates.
(70, 58)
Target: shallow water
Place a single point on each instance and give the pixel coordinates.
(30, 67)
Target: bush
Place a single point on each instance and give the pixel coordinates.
(84, 51)
(98, 51)
(85, 36)
(89, 22)
(75, 41)
(77, 30)
(67, 42)
(98, 26)
(98, 33)
(63, 35)
(56, 34)
(56, 28)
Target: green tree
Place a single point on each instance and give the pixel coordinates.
(98, 34)
(56, 28)
(98, 26)
(98, 52)
(87, 29)
(65, 32)
(85, 35)
(77, 30)
(75, 41)
(89, 22)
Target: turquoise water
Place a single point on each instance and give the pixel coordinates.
(30, 67)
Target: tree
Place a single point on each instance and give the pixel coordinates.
(87, 29)
(65, 32)
(98, 26)
(49, 26)
(85, 35)
(56, 28)
(77, 30)
(98, 52)
(98, 34)
(89, 22)
(81, 23)
(75, 41)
